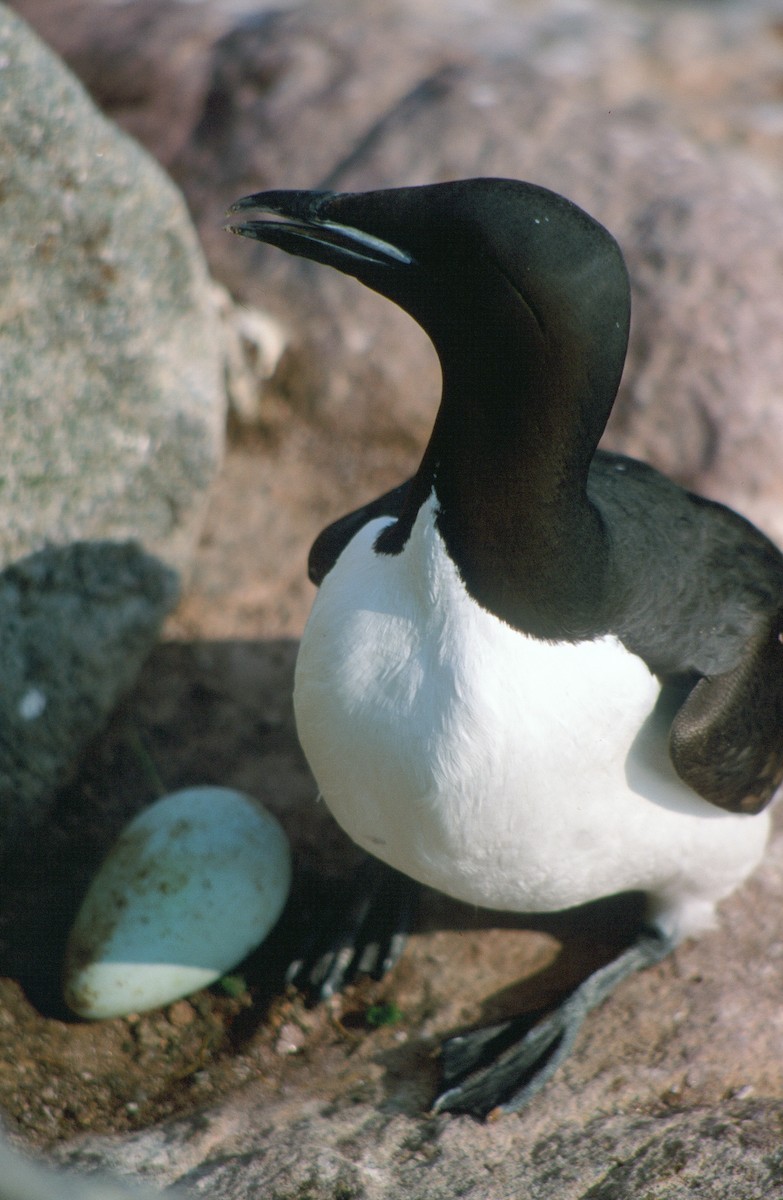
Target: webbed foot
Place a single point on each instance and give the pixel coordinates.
(496, 1070)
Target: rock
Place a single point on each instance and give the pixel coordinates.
(113, 412)
(26, 1180)
(113, 398)
(365, 1154)
(254, 344)
(146, 64)
(76, 623)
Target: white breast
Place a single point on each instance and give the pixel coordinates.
(505, 771)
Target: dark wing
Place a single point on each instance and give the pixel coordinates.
(709, 621)
(726, 741)
(329, 544)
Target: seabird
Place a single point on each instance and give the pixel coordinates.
(537, 673)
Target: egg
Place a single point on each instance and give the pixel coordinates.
(192, 885)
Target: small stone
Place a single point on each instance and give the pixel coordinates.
(32, 704)
(290, 1039)
(181, 1014)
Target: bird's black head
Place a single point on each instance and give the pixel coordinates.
(526, 300)
(477, 262)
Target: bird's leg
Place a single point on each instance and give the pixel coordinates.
(367, 936)
(496, 1070)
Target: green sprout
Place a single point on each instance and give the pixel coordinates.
(379, 1015)
(233, 985)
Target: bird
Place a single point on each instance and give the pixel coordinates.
(537, 673)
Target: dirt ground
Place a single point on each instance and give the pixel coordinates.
(213, 705)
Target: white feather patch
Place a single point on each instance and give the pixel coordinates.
(507, 772)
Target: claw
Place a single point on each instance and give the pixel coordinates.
(366, 938)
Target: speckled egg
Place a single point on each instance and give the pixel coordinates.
(192, 885)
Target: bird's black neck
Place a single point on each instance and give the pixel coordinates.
(508, 460)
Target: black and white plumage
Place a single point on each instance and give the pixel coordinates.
(537, 673)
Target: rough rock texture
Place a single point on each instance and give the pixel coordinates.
(76, 623)
(146, 63)
(113, 399)
(112, 415)
(26, 1180)
(364, 1155)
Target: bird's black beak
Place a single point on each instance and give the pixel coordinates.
(308, 224)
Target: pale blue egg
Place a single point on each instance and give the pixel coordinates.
(192, 885)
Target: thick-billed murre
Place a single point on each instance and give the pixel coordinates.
(537, 673)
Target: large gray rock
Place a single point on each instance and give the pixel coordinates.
(76, 623)
(367, 1155)
(112, 392)
(112, 416)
